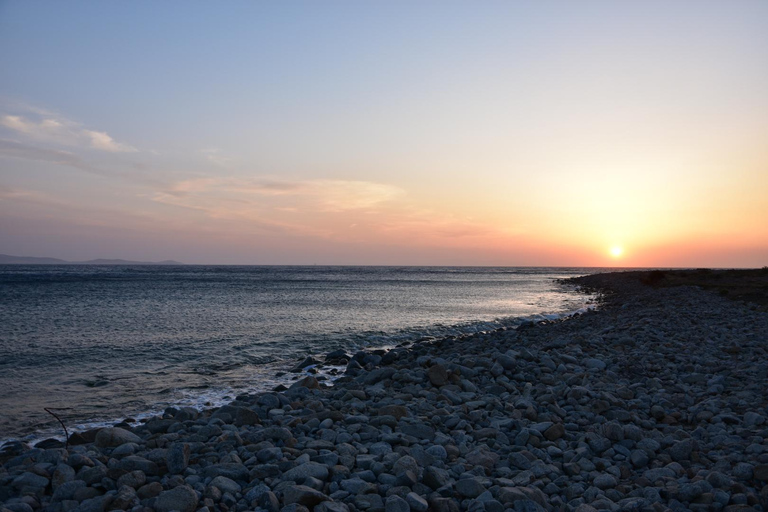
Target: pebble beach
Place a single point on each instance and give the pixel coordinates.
(656, 400)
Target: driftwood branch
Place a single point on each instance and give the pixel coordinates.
(66, 433)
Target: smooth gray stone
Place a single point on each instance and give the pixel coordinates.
(181, 498)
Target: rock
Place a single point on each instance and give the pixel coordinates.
(357, 486)
(416, 502)
(437, 375)
(95, 504)
(435, 477)
(134, 480)
(613, 431)
(595, 364)
(136, 463)
(113, 437)
(92, 475)
(294, 507)
(443, 505)
(527, 505)
(681, 450)
(337, 355)
(30, 480)
(331, 506)
(398, 411)
(508, 363)
(310, 469)
(470, 487)
(760, 472)
(246, 417)
(67, 490)
(554, 432)
(481, 456)
(395, 503)
(418, 430)
(186, 414)
(303, 495)
(177, 458)
(63, 473)
(753, 419)
(369, 502)
(125, 499)
(182, 498)
(639, 458)
(149, 490)
(226, 485)
(308, 382)
(514, 494)
(269, 502)
(604, 481)
(308, 361)
(230, 470)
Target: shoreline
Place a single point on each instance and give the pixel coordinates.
(654, 401)
(286, 372)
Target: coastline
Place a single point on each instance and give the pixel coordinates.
(656, 400)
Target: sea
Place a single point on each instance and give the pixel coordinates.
(99, 344)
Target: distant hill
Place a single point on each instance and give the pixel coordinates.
(6, 259)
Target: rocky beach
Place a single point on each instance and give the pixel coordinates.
(657, 400)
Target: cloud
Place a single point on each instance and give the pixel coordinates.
(102, 141)
(14, 149)
(63, 132)
(318, 195)
(214, 156)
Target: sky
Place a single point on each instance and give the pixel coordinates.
(515, 133)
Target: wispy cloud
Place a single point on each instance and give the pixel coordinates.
(318, 195)
(15, 149)
(214, 156)
(338, 209)
(45, 127)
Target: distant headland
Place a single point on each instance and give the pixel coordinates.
(6, 259)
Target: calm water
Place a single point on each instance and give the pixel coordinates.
(109, 342)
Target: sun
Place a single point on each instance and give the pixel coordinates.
(616, 251)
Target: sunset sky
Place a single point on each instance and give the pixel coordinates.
(587, 133)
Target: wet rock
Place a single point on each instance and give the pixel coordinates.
(308, 382)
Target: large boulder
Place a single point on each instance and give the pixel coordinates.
(113, 437)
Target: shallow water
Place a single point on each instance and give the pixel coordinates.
(108, 342)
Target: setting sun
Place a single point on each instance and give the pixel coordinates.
(616, 251)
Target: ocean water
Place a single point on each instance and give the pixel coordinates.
(103, 343)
